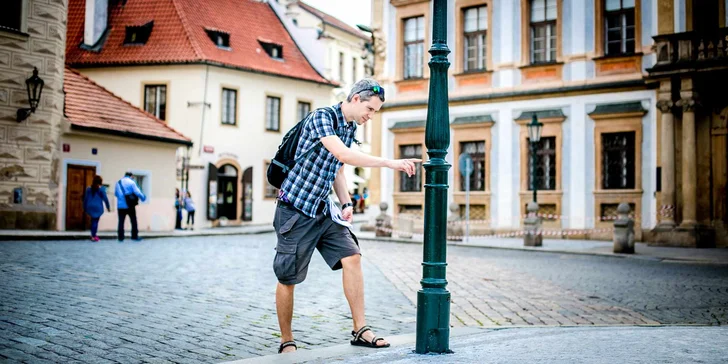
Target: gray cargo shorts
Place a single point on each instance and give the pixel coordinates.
(299, 234)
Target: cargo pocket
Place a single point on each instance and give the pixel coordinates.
(284, 264)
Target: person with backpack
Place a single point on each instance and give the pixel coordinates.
(94, 200)
(306, 168)
(128, 196)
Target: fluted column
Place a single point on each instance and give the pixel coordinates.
(689, 162)
(667, 157)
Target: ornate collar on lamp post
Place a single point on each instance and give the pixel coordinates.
(34, 85)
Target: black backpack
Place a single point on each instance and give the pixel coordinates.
(285, 158)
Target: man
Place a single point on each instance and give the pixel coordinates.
(303, 218)
(127, 186)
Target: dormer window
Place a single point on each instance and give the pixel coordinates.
(220, 38)
(274, 50)
(138, 34)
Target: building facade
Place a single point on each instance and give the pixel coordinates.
(341, 53)
(586, 69)
(32, 36)
(229, 76)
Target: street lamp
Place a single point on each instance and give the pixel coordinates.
(433, 300)
(534, 136)
(369, 48)
(34, 85)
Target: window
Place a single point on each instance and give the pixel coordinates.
(229, 106)
(414, 183)
(273, 113)
(353, 70)
(341, 66)
(543, 31)
(12, 15)
(414, 46)
(303, 109)
(140, 179)
(270, 191)
(221, 39)
(619, 26)
(618, 164)
(274, 50)
(545, 165)
(476, 150)
(138, 34)
(155, 100)
(475, 30)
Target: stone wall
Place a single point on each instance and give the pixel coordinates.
(29, 151)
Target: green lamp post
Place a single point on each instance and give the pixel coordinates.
(433, 300)
(534, 137)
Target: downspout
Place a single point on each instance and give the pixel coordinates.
(204, 107)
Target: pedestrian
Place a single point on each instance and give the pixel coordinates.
(364, 198)
(178, 210)
(355, 200)
(128, 196)
(94, 201)
(190, 207)
(303, 219)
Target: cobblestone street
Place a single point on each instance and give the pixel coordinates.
(212, 299)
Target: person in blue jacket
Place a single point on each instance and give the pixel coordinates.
(94, 201)
(127, 186)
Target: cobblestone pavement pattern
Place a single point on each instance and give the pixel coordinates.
(190, 300)
(212, 299)
(491, 287)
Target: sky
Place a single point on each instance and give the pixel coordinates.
(352, 12)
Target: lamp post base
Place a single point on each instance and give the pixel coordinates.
(433, 322)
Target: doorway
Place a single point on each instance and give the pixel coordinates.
(248, 194)
(79, 178)
(227, 192)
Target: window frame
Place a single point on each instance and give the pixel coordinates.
(540, 152)
(354, 65)
(267, 113)
(146, 185)
(527, 34)
(465, 35)
(418, 168)
(622, 13)
(405, 44)
(157, 108)
(223, 108)
(600, 30)
(299, 103)
(550, 27)
(22, 31)
(629, 165)
(461, 184)
(266, 185)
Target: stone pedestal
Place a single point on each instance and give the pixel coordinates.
(405, 226)
(383, 222)
(532, 226)
(623, 231)
(689, 164)
(455, 229)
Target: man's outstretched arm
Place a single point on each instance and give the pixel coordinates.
(358, 159)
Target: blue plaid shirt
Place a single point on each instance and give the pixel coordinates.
(309, 183)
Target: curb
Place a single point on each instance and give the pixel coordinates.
(556, 251)
(112, 236)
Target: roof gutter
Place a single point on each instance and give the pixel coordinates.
(132, 135)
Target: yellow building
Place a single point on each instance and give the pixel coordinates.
(589, 71)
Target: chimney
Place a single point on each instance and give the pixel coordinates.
(96, 18)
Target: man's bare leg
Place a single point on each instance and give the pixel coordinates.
(284, 309)
(354, 292)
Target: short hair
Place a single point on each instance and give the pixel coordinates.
(128, 174)
(363, 88)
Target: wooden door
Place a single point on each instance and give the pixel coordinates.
(79, 178)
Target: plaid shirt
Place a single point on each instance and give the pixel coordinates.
(310, 181)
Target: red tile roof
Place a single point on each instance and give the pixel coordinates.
(179, 36)
(333, 21)
(91, 107)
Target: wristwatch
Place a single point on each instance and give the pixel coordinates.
(348, 204)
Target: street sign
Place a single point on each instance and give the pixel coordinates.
(466, 164)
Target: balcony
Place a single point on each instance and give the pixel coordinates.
(690, 52)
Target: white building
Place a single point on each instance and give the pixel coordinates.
(225, 73)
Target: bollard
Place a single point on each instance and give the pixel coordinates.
(532, 226)
(405, 226)
(383, 222)
(454, 224)
(623, 230)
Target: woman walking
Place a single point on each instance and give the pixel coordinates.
(93, 203)
(190, 207)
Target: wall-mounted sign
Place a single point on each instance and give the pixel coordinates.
(229, 155)
(208, 149)
(66, 148)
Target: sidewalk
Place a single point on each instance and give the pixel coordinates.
(620, 344)
(585, 247)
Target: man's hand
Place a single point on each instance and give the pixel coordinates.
(405, 165)
(348, 214)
